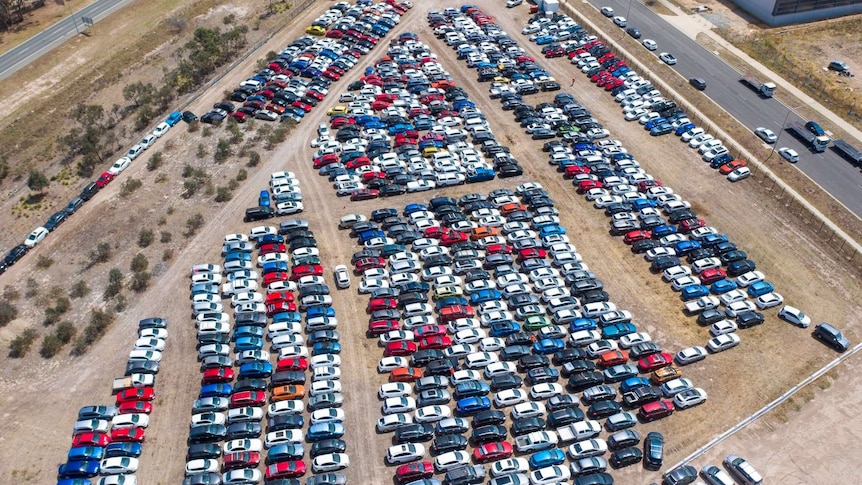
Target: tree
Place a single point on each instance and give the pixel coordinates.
(93, 138)
(139, 93)
(37, 181)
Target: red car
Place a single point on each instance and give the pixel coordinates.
(128, 434)
(381, 304)
(633, 236)
(280, 296)
(405, 374)
(217, 375)
(573, 170)
(136, 394)
(430, 331)
(492, 452)
(285, 469)
(364, 194)
(357, 163)
(379, 327)
(280, 307)
(273, 248)
(644, 185)
(91, 439)
(439, 342)
(585, 185)
(134, 407)
(712, 275)
(531, 253)
(401, 349)
(292, 363)
(689, 225)
(452, 313)
(654, 361)
(270, 278)
(245, 459)
(498, 249)
(303, 106)
(340, 121)
(454, 237)
(239, 116)
(325, 160)
(612, 358)
(373, 176)
(104, 179)
(414, 471)
(247, 398)
(655, 410)
(435, 232)
(365, 264)
(306, 270)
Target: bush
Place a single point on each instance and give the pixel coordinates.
(51, 345)
(100, 320)
(155, 161)
(102, 254)
(44, 262)
(145, 237)
(8, 312)
(79, 289)
(140, 281)
(241, 175)
(202, 150)
(32, 288)
(115, 283)
(20, 345)
(11, 293)
(139, 263)
(253, 158)
(194, 223)
(223, 194)
(223, 151)
(165, 237)
(52, 314)
(168, 254)
(130, 186)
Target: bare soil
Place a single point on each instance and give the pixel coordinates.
(770, 359)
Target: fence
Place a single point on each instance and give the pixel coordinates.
(825, 230)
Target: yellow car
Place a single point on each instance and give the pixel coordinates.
(448, 291)
(337, 110)
(501, 79)
(315, 30)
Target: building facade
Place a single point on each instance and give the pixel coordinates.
(786, 12)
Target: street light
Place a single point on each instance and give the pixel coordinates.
(72, 15)
(783, 125)
(628, 12)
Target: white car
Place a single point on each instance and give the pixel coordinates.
(689, 398)
(330, 462)
(134, 152)
(288, 207)
(240, 445)
(588, 448)
(283, 436)
(620, 21)
(749, 278)
(499, 368)
(133, 420)
(739, 174)
(545, 390)
(722, 327)
(649, 44)
(119, 465)
(675, 386)
(120, 165)
(391, 422)
(509, 397)
(690, 355)
(722, 342)
(550, 475)
(405, 453)
(241, 476)
(201, 466)
(398, 405)
(161, 129)
(388, 364)
(342, 277)
(667, 58)
(36, 237)
(789, 154)
(491, 344)
(450, 460)
(794, 316)
(768, 300)
(431, 414)
(736, 308)
(766, 134)
(681, 282)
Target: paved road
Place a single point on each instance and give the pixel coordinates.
(55, 35)
(836, 175)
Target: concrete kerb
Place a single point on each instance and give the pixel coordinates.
(757, 165)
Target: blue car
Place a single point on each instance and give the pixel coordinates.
(74, 481)
(722, 286)
(83, 453)
(472, 405)
(263, 200)
(642, 203)
(504, 329)
(617, 330)
(693, 292)
(370, 234)
(254, 370)
(760, 288)
(215, 390)
(664, 230)
(123, 449)
(247, 331)
(248, 343)
(551, 230)
(711, 240)
(542, 459)
(654, 122)
(633, 383)
(579, 324)
(274, 267)
(684, 247)
(480, 175)
(545, 39)
(285, 451)
(293, 317)
(321, 348)
(411, 208)
(318, 311)
(237, 256)
(683, 128)
(174, 118)
(471, 389)
(482, 296)
(324, 431)
(270, 238)
(548, 346)
(78, 469)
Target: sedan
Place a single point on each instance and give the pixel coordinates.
(689, 398)
(789, 154)
(722, 342)
(120, 465)
(405, 453)
(667, 58)
(768, 300)
(330, 462)
(690, 355)
(766, 134)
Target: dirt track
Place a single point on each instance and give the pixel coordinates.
(771, 358)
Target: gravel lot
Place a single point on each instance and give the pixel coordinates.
(771, 358)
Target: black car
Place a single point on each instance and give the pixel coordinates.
(603, 409)
(488, 434)
(653, 454)
(89, 191)
(442, 367)
(749, 319)
(421, 358)
(207, 434)
(595, 296)
(527, 425)
(568, 355)
(412, 433)
(505, 381)
(625, 457)
(243, 430)
(288, 377)
(514, 352)
(708, 317)
(142, 367)
(189, 117)
(698, 83)
(448, 442)
(490, 416)
(644, 245)
(258, 213)
(540, 375)
(583, 380)
(324, 447)
(737, 268)
(634, 32)
(284, 421)
(203, 451)
(15, 254)
(644, 349)
(250, 385)
(55, 220)
(564, 416)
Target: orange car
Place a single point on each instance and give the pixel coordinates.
(481, 232)
(405, 374)
(731, 166)
(507, 209)
(286, 393)
(612, 358)
(665, 374)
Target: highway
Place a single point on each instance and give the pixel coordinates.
(832, 172)
(65, 29)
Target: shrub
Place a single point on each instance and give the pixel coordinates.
(155, 161)
(223, 151)
(32, 288)
(140, 281)
(145, 237)
(253, 158)
(51, 345)
(115, 283)
(241, 175)
(139, 263)
(202, 150)
(194, 223)
(61, 306)
(79, 289)
(168, 254)
(130, 186)
(20, 345)
(44, 262)
(11, 293)
(165, 237)
(223, 194)
(102, 254)
(8, 312)
(100, 320)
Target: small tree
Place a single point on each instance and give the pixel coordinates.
(145, 237)
(139, 263)
(20, 345)
(115, 283)
(140, 281)
(193, 224)
(8, 312)
(37, 181)
(101, 254)
(79, 289)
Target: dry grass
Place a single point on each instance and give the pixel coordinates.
(659, 7)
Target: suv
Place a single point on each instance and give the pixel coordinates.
(742, 470)
(815, 128)
(258, 213)
(680, 476)
(831, 336)
(698, 83)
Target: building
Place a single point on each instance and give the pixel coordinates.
(786, 12)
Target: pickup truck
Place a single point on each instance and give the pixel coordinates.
(582, 430)
(641, 395)
(135, 380)
(536, 441)
(701, 304)
(464, 475)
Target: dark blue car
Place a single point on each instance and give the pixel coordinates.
(504, 329)
(84, 453)
(215, 390)
(480, 175)
(579, 324)
(664, 230)
(254, 370)
(471, 389)
(548, 346)
(321, 348)
(693, 292)
(633, 383)
(472, 405)
(123, 449)
(78, 469)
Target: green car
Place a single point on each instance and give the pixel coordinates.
(536, 322)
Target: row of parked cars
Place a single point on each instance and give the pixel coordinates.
(270, 304)
(56, 219)
(405, 129)
(107, 440)
(450, 328)
(300, 75)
